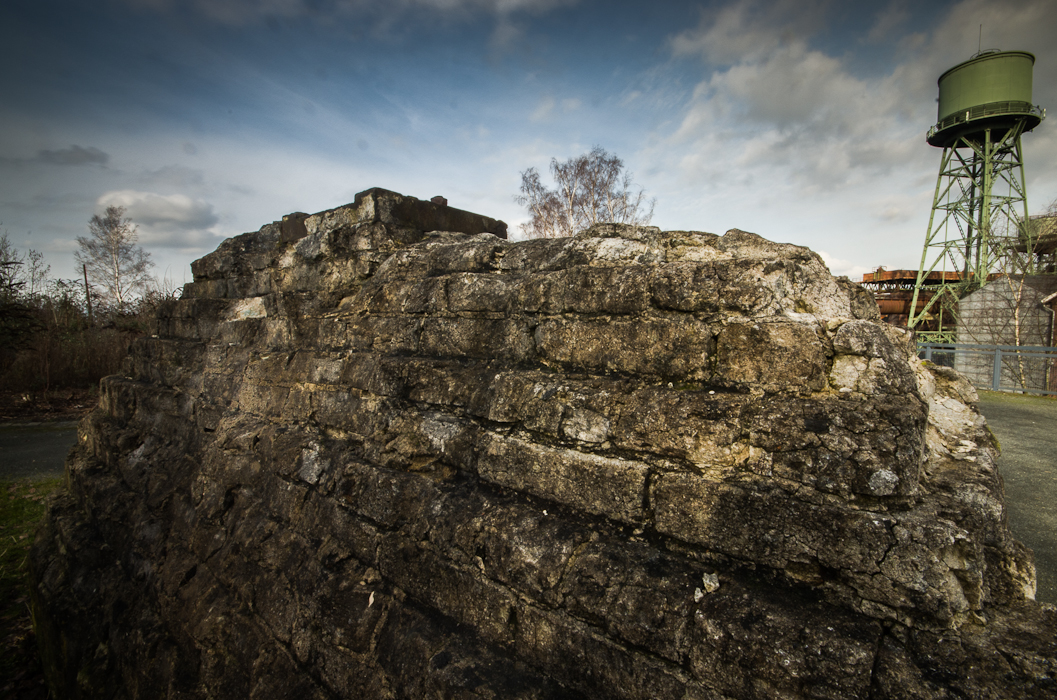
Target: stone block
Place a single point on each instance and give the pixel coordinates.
(465, 595)
(605, 486)
(505, 339)
(773, 354)
(582, 658)
(680, 350)
(811, 650)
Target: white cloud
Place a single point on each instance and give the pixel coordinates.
(1025, 25)
(150, 208)
(800, 111)
(174, 221)
(787, 139)
(846, 268)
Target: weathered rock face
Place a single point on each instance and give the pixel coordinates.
(358, 459)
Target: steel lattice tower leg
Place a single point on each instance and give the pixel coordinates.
(978, 218)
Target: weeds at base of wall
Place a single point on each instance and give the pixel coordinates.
(47, 406)
(22, 505)
(52, 361)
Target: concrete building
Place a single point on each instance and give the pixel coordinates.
(1011, 310)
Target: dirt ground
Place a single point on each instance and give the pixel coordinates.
(43, 407)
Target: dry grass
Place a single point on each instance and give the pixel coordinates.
(22, 505)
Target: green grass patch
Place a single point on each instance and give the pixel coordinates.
(1014, 398)
(22, 505)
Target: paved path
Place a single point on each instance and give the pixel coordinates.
(35, 451)
(1026, 427)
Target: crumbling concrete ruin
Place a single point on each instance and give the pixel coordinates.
(381, 452)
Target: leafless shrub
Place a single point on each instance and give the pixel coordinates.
(591, 188)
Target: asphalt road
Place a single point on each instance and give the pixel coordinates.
(1026, 428)
(35, 451)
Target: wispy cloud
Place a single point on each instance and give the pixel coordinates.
(74, 155)
(889, 21)
(178, 177)
(241, 12)
(548, 106)
(745, 30)
(544, 108)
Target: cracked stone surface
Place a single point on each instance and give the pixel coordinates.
(383, 452)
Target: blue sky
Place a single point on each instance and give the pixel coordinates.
(803, 121)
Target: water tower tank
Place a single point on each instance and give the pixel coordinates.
(991, 90)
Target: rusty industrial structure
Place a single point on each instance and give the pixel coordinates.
(894, 291)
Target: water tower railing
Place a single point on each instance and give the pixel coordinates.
(987, 110)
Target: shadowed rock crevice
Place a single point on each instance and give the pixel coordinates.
(382, 452)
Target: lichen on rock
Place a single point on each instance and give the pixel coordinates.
(383, 452)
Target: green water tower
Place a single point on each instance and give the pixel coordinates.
(980, 205)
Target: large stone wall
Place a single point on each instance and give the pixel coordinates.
(365, 458)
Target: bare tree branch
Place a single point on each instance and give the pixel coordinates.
(591, 188)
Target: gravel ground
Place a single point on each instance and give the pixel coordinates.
(1026, 427)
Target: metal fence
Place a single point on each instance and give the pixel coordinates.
(1030, 369)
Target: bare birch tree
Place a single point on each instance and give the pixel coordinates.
(591, 188)
(113, 260)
